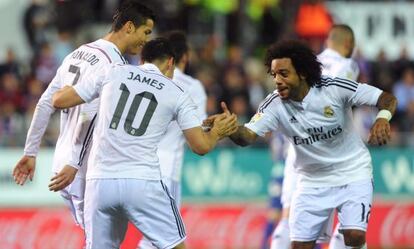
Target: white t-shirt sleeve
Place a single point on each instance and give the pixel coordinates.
(41, 116)
(265, 119)
(187, 114)
(91, 85)
(365, 95)
(356, 94)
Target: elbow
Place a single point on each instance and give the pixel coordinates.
(201, 150)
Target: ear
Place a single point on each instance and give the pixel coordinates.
(171, 63)
(129, 27)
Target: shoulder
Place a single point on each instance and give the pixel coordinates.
(333, 83)
(271, 102)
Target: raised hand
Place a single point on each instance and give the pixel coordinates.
(380, 132)
(24, 169)
(225, 125)
(209, 121)
(63, 179)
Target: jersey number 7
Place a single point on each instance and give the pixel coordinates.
(76, 70)
(116, 118)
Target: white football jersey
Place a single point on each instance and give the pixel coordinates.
(136, 107)
(335, 65)
(87, 59)
(329, 151)
(171, 147)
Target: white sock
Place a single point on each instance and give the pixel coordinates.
(337, 240)
(280, 237)
(361, 247)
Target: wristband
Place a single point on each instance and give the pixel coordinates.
(384, 114)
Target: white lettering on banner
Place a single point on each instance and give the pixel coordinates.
(43, 229)
(224, 178)
(399, 175)
(390, 27)
(398, 226)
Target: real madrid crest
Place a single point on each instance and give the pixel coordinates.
(256, 117)
(328, 112)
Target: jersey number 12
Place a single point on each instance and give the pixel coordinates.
(116, 118)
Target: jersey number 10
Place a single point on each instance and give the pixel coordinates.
(116, 118)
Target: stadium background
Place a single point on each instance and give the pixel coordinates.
(225, 192)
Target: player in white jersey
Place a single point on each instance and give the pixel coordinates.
(124, 180)
(336, 62)
(171, 147)
(334, 165)
(131, 27)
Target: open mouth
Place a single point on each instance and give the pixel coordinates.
(282, 90)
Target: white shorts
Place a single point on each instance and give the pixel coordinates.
(174, 187)
(111, 203)
(312, 209)
(73, 196)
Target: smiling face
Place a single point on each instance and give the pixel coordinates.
(288, 83)
(138, 36)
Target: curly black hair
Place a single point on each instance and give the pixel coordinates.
(133, 11)
(303, 59)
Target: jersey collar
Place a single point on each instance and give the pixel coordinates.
(150, 67)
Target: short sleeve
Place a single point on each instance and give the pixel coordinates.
(187, 114)
(265, 119)
(365, 95)
(90, 86)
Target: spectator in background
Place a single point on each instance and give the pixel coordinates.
(45, 64)
(256, 80)
(404, 92)
(35, 21)
(381, 73)
(401, 63)
(10, 65)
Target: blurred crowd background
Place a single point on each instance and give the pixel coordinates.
(228, 40)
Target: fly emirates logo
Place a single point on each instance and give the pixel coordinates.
(317, 134)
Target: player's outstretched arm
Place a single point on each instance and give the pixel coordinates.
(243, 136)
(66, 97)
(380, 132)
(24, 169)
(201, 142)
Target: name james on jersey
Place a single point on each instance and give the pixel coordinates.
(151, 82)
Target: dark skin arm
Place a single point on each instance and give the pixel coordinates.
(380, 132)
(243, 136)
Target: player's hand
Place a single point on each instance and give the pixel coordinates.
(24, 169)
(224, 125)
(380, 132)
(209, 121)
(63, 179)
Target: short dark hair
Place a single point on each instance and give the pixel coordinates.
(178, 42)
(303, 59)
(157, 49)
(131, 11)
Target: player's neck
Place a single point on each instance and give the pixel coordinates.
(301, 92)
(116, 39)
